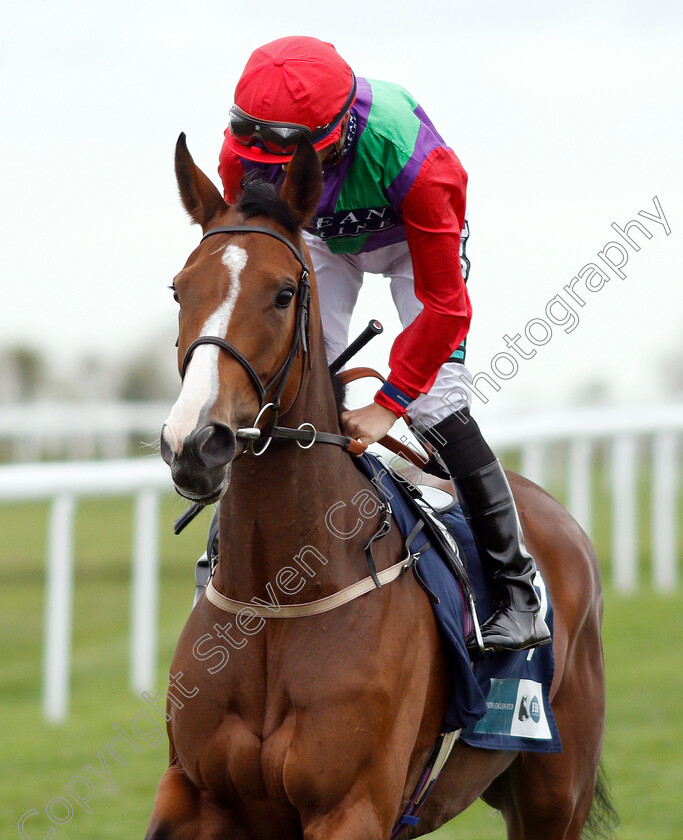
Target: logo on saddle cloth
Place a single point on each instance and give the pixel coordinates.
(511, 712)
(355, 222)
(525, 712)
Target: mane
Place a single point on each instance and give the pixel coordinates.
(339, 395)
(260, 198)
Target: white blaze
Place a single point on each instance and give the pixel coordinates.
(200, 386)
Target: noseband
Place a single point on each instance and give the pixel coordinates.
(301, 328)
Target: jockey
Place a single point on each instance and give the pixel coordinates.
(393, 203)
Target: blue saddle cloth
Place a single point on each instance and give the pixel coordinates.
(500, 700)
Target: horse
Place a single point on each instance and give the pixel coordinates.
(319, 727)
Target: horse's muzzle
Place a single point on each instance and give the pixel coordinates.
(200, 469)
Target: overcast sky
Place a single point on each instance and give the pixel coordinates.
(567, 117)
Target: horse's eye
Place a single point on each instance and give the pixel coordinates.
(284, 298)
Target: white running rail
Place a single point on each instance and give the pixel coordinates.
(78, 430)
(63, 484)
(633, 436)
(629, 436)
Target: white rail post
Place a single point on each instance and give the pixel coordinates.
(533, 462)
(59, 609)
(664, 493)
(624, 514)
(580, 491)
(144, 604)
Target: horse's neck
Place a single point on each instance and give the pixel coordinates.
(273, 516)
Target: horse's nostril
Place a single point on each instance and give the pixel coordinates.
(216, 444)
(166, 448)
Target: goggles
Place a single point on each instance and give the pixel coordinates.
(280, 138)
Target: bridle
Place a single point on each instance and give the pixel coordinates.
(301, 328)
(306, 433)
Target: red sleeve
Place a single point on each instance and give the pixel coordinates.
(231, 172)
(433, 215)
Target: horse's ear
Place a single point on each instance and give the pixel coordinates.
(199, 196)
(303, 185)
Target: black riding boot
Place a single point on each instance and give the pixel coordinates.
(490, 510)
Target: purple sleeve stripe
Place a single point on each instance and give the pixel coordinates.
(424, 119)
(428, 139)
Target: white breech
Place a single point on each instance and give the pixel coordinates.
(340, 277)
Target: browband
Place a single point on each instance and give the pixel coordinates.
(256, 229)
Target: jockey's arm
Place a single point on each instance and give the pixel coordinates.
(433, 214)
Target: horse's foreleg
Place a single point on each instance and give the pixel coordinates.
(550, 795)
(181, 813)
(353, 819)
(366, 811)
(539, 798)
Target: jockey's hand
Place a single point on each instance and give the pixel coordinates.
(368, 424)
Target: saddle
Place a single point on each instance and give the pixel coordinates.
(429, 503)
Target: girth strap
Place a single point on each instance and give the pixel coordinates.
(435, 764)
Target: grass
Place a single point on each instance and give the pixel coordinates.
(642, 648)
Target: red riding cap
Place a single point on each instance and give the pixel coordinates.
(296, 80)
